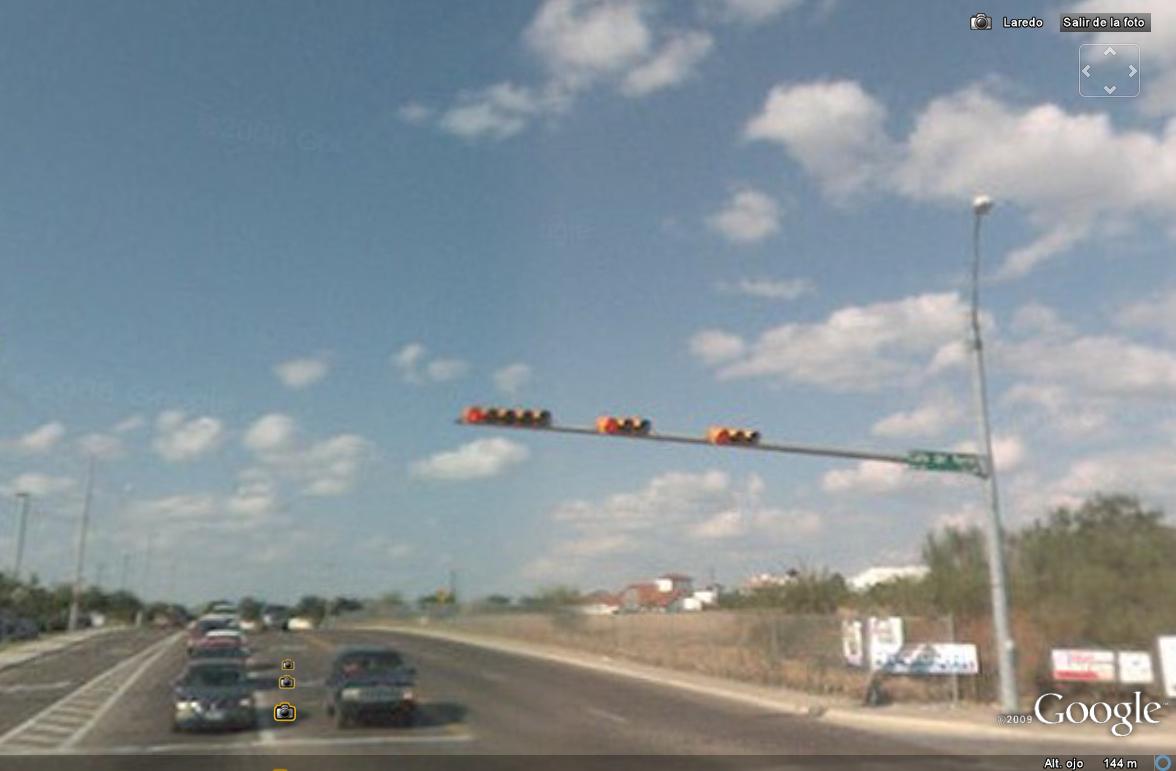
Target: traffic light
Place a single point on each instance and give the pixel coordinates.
(610, 424)
(725, 435)
(503, 416)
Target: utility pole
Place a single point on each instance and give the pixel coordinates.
(83, 529)
(21, 526)
(147, 567)
(1005, 647)
(126, 568)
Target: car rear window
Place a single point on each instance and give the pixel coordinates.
(215, 677)
(367, 662)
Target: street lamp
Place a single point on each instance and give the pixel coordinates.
(1005, 648)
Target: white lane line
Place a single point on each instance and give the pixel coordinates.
(603, 713)
(34, 687)
(202, 748)
(150, 656)
(494, 677)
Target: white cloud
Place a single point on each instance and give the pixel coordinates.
(414, 368)
(480, 459)
(1037, 319)
(1100, 365)
(868, 477)
(41, 439)
(1157, 312)
(273, 431)
(512, 378)
(495, 112)
(303, 372)
(256, 493)
(671, 65)
(833, 129)
(580, 39)
(856, 348)
(1065, 170)
(178, 439)
(712, 346)
(329, 467)
(1008, 449)
(929, 419)
(769, 289)
(1144, 472)
(1157, 51)
(1067, 413)
(752, 12)
(749, 216)
(102, 446)
(38, 485)
(414, 113)
(173, 509)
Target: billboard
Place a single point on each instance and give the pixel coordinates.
(852, 643)
(1135, 668)
(884, 638)
(933, 659)
(1166, 646)
(1078, 665)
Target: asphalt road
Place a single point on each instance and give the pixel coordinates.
(474, 702)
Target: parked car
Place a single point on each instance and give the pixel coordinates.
(213, 693)
(370, 682)
(301, 624)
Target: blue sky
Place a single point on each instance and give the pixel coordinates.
(257, 261)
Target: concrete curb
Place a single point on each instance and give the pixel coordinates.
(861, 718)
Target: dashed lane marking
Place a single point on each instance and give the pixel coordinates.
(67, 721)
(35, 687)
(604, 713)
(203, 748)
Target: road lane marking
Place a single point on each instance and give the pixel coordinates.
(75, 709)
(35, 687)
(604, 713)
(203, 748)
(494, 677)
(152, 655)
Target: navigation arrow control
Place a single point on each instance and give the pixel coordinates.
(1110, 52)
(1132, 68)
(1110, 89)
(1086, 70)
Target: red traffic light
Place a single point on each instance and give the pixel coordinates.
(503, 416)
(610, 424)
(726, 435)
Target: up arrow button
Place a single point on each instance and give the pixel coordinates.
(1110, 52)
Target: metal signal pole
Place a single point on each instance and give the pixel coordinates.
(83, 531)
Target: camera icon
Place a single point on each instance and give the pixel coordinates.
(286, 682)
(288, 665)
(285, 712)
(980, 21)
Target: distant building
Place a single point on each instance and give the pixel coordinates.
(664, 593)
(880, 575)
(599, 603)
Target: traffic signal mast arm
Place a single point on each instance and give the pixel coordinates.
(637, 428)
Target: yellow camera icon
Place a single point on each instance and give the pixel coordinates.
(285, 712)
(286, 682)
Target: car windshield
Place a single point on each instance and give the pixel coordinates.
(214, 677)
(369, 662)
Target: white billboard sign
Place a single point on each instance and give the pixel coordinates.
(852, 643)
(885, 639)
(1075, 665)
(933, 659)
(1166, 646)
(1135, 668)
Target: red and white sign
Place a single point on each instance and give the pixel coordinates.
(1083, 665)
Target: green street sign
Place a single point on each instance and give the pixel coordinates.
(934, 460)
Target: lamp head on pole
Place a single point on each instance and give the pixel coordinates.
(981, 205)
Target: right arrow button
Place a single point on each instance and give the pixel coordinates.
(1132, 69)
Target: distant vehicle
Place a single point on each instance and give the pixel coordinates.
(369, 682)
(275, 616)
(250, 625)
(214, 694)
(205, 624)
(300, 624)
(221, 607)
(224, 649)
